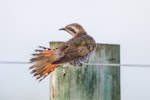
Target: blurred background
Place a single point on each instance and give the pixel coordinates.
(26, 24)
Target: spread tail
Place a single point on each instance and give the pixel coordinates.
(43, 60)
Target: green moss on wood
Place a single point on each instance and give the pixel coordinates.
(88, 82)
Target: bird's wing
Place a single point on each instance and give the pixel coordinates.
(75, 48)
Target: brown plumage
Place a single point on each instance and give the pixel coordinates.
(76, 51)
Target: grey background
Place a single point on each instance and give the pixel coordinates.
(25, 24)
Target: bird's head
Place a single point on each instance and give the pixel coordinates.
(73, 29)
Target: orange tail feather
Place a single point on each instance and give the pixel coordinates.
(42, 66)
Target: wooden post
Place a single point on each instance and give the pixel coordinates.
(89, 82)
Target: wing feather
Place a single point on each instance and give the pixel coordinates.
(76, 50)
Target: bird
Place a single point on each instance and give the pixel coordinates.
(76, 51)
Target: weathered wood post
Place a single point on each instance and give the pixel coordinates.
(89, 82)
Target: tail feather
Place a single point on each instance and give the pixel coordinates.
(43, 60)
(40, 74)
(49, 68)
(36, 65)
(43, 54)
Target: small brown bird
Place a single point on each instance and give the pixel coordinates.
(76, 51)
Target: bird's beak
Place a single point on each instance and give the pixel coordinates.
(62, 29)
